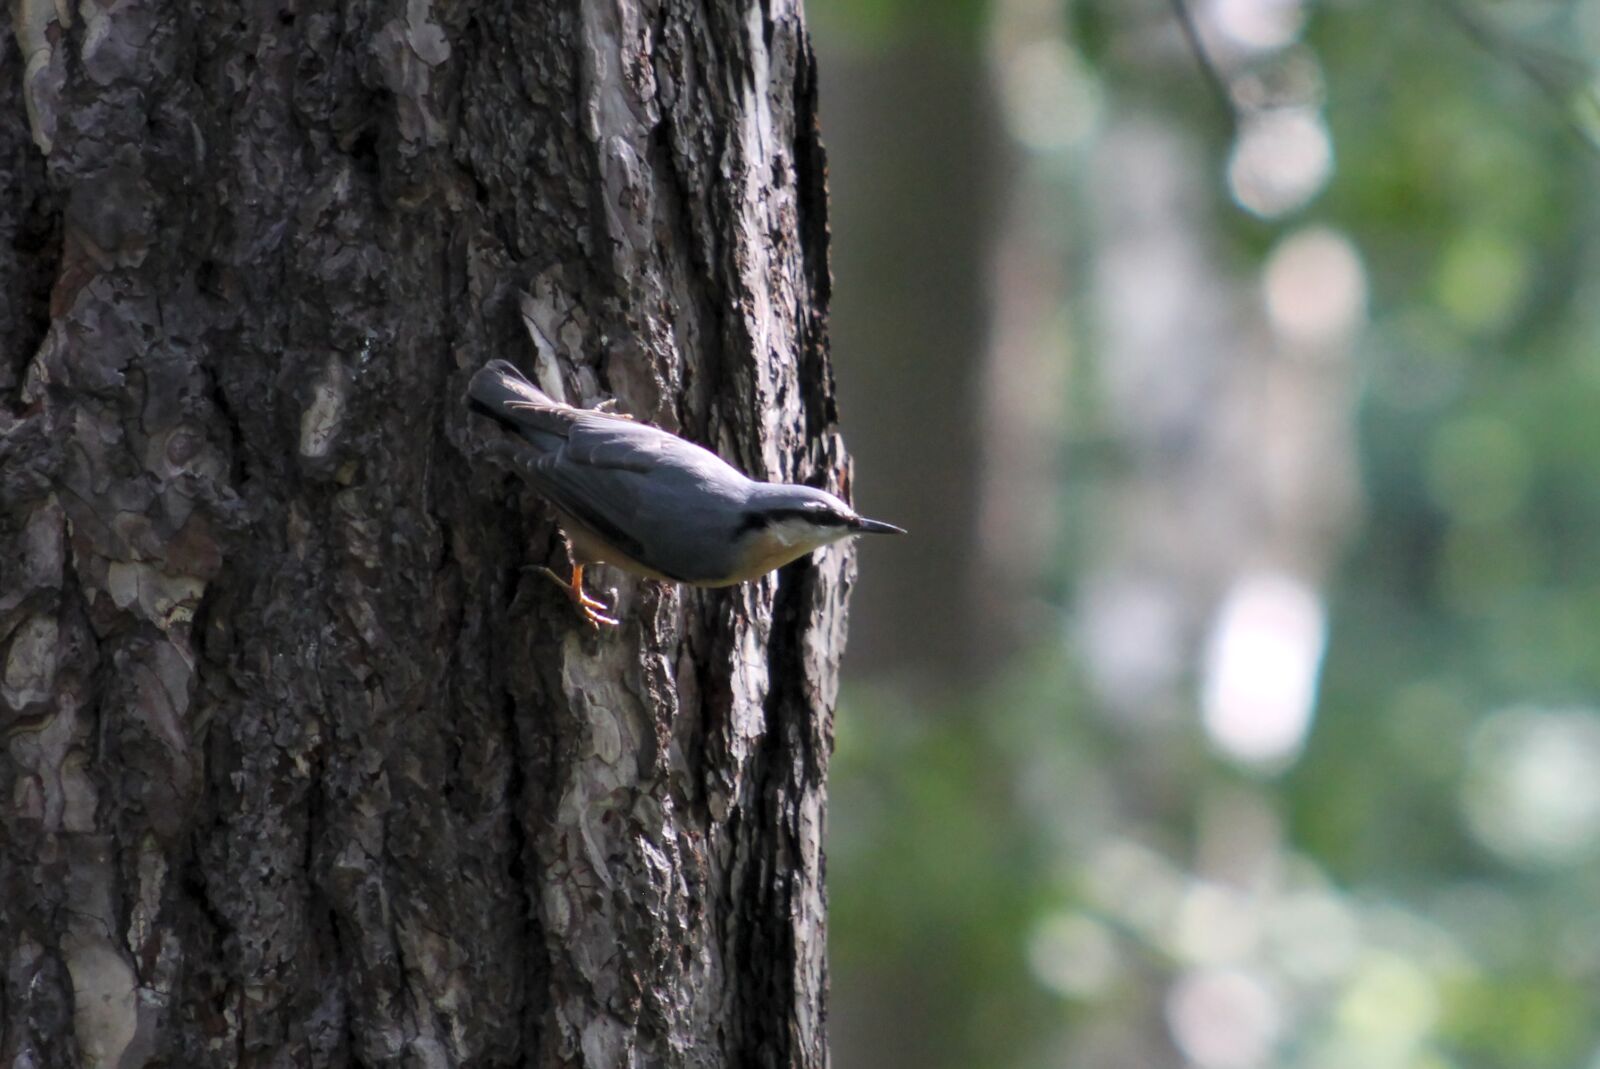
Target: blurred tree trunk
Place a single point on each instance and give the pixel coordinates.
(920, 139)
(298, 767)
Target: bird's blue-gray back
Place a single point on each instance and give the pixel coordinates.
(623, 475)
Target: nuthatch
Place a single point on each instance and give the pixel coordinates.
(647, 501)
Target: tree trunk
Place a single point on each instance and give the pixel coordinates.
(300, 766)
(920, 322)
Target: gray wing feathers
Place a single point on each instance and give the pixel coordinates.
(675, 503)
(607, 442)
(628, 481)
(672, 520)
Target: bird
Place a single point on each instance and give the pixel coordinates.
(649, 502)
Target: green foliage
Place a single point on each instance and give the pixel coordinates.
(871, 23)
(1427, 890)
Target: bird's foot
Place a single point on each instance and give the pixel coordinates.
(595, 611)
(609, 407)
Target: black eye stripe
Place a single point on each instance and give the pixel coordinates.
(755, 521)
(809, 514)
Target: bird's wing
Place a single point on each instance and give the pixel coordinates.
(618, 477)
(605, 441)
(648, 486)
(605, 500)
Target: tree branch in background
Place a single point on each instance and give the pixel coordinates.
(1202, 55)
(1535, 66)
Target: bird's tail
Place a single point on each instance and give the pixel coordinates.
(501, 391)
(498, 386)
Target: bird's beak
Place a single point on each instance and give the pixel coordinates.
(861, 525)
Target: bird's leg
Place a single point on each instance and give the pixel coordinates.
(593, 610)
(609, 407)
(579, 593)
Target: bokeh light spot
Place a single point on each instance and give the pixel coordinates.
(1281, 159)
(1133, 884)
(1215, 925)
(1389, 1005)
(1315, 287)
(1131, 634)
(1261, 669)
(1073, 955)
(1481, 278)
(1259, 24)
(1313, 936)
(1532, 786)
(1051, 102)
(1224, 1018)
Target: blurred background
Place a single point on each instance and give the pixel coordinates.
(1236, 367)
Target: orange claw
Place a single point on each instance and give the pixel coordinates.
(593, 610)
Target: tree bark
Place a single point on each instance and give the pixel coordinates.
(300, 767)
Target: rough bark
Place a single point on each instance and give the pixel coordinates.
(299, 766)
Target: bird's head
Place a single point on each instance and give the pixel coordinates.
(785, 521)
